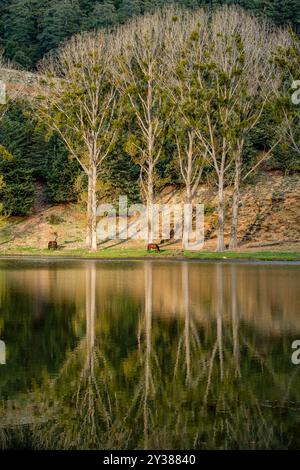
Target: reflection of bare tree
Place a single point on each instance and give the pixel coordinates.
(189, 341)
(235, 320)
(90, 314)
(186, 306)
(219, 311)
(82, 415)
(89, 392)
(145, 389)
(219, 314)
(148, 331)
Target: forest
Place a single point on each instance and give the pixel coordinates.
(31, 28)
(204, 95)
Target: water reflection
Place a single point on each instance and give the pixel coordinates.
(149, 355)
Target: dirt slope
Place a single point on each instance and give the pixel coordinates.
(269, 218)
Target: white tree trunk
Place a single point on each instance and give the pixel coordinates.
(187, 226)
(89, 205)
(150, 197)
(220, 243)
(93, 224)
(235, 204)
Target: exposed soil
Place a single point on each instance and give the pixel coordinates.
(269, 219)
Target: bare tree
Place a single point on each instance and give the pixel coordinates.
(79, 103)
(140, 75)
(221, 73)
(254, 89)
(191, 164)
(204, 90)
(287, 118)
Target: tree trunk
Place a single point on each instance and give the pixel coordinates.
(187, 221)
(93, 217)
(149, 205)
(235, 204)
(89, 223)
(220, 243)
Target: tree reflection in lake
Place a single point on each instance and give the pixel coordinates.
(181, 355)
(79, 401)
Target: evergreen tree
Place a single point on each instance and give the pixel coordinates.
(61, 174)
(19, 31)
(102, 15)
(17, 193)
(287, 11)
(61, 20)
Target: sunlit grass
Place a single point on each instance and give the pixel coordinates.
(121, 253)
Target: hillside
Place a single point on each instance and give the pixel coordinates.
(31, 28)
(269, 219)
(107, 129)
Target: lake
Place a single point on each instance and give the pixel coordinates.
(148, 355)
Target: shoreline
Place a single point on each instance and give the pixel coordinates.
(136, 255)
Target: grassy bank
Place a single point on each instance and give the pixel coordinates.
(115, 253)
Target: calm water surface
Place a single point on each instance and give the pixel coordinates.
(157, 355)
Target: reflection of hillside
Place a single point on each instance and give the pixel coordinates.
(267, 296)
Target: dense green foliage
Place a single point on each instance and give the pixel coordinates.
(31, 159)
(30, 28)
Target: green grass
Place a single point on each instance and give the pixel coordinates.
(115, 253)
(257, 255)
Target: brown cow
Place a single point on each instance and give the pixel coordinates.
(153, 246)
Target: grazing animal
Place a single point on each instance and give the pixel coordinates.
(153, 246)
(52, 245)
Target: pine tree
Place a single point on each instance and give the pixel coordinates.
(103, 14)
(19, 30)
(59, 21)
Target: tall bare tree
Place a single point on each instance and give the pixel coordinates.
(204, 90)
(257, 80)
(78, 102)
(191, 163)
(140, 73)
(220, 76)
